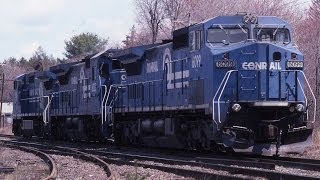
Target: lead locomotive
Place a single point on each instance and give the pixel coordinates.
(231, 82)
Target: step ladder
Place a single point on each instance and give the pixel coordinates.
(107, 103)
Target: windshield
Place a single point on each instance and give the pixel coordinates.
(272, 35)
(234, 35)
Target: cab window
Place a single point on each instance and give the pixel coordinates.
(230, 35)
(272, 35)
(195, 40)
(104, 70)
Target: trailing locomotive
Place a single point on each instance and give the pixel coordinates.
(232, 82)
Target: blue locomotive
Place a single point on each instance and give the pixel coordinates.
(230, 82)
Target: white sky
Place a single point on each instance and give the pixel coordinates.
(26, 24)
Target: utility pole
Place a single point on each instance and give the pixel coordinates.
(2, 87)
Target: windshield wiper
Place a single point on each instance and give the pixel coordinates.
(243, 30)
(260, 30)
(225, 42)
(220, 26)
(275, 31)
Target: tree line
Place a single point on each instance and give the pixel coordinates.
(76, 48)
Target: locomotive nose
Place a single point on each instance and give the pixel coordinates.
(262, 72)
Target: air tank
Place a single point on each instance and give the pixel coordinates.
(158, 126)
(146, 126)
(69, 123)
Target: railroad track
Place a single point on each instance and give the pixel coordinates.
(298, 163)
(44, 156)
(9, 136)
(74, 152)
(47, 149)
(257, 166)
(234, 167)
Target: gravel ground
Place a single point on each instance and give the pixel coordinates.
(312, 152)
(201, 169)
(71, 168)
(140, 173)
(6, 130)
(24, 163)
(298, 171)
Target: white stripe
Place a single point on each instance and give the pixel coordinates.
(178, 75)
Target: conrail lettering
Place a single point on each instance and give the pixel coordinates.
(261, 66)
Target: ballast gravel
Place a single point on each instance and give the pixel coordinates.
(26, 165)
(72, 168)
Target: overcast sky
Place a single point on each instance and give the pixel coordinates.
(27, 24)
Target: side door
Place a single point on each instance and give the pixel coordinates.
(195, 69)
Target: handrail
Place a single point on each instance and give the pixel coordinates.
(305, 97)
(110, 89)
(224, 86)
(115, 94)
(107, 99)
(104, 102)
(308, 84)
(226, 76)
(102, 105)
(44, 114)
(313, 96)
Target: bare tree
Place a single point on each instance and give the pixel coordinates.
(176, 11)
(314, 11)
(11, 70)
(308, 39)
(159, 18)
(151, 14)
(131, 38)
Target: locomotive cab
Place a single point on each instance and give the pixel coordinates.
(31, 103)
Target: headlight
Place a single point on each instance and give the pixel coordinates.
(293, 56)
(236, 107)
(291, 109)
(299, 107)
(295, 64)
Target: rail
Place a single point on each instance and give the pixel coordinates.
(243, 166)
(53, 149)
(45, 157)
